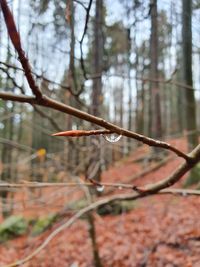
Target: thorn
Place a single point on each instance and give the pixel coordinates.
(73, 133)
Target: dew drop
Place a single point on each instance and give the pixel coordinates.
(100, 188)
(112, 138)
(184, 194)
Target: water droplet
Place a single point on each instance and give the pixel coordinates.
(112, 138)
(184, 194)
(100, 188)
(120, 187)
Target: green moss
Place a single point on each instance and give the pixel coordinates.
(43, 224)
(77, 205)
(13, 226)
(116, 208)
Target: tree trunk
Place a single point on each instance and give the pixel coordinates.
(190, 106)
(97, 97)
(155, 111)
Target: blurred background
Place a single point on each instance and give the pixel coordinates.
(134, 63)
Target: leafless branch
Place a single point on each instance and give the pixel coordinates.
(80, 3)
(176, 175)
(50, 119)
(50, 103)
(12, 80)
(67, 184)
(15, 38)
(82, 38)
(41, 76)
(42, 100)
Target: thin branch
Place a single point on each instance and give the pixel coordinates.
(175, 176)
(50, 103)
(67, 184)
(89, 208)
(86, 21)
(120, 186)
(38, 76)
(50, 119)
(18, 98)
(15, 144)
(15, 38)
(80, 3)
(13, 80)
(170, 81)
(41, 76)
(97, 75)
(82, 38)
(147, 79)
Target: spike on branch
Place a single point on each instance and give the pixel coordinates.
(79, 133)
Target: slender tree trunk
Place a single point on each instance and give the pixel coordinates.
(71, 80)
(92, 232)
(97, 97)
(5, 176)
(190, 107)
(96, 109)
(130, 102)
(155, 111)
(6, 155)
(72, 71)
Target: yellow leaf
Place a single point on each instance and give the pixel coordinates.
(41, 153)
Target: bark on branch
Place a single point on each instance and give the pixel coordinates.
(53, 104)
(16, 41)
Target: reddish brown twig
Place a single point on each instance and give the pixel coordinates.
(53, 104)
(15, 38)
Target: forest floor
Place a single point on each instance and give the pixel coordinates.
(159, 231)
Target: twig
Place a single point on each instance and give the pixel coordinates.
(142, 173)
(15, 38)
(15, 144)
(80, 3)
(40, 76)
(86, 21)
(67, 184)
(97, 75)
(82, 38)
(176, 175)
(50, 119)
(13, 80)
(50, 103)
